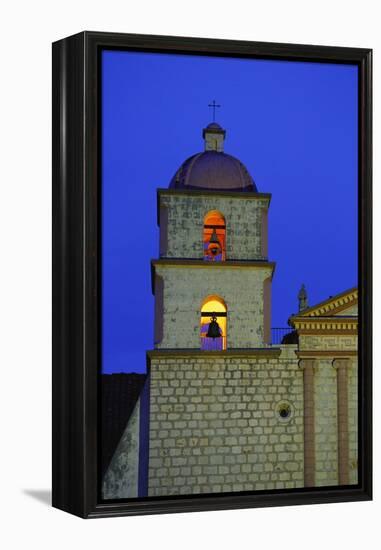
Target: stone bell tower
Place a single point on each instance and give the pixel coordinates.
(212, 411)
(213, 244)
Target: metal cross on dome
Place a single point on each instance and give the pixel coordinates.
(214, 105)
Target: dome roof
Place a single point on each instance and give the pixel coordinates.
(214, 126)
(215, 171)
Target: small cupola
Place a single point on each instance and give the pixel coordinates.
(214, 137)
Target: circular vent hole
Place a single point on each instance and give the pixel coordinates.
(284, 411)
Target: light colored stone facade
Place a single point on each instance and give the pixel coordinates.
(215, 425)
(328, 336)
(186, 287)
(331, 343)
(326, 404)
(215, 421)
(181, 218)
(353, 399)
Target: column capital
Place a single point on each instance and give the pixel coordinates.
(341, 363)
(306, 364)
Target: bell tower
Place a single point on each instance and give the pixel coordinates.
(221, 407)
(213, 249)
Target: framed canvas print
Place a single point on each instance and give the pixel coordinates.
(211, 274)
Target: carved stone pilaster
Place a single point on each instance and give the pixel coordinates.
(341, 365)
(308, 366)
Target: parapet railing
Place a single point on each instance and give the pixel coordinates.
(282, 335)
(279, 336)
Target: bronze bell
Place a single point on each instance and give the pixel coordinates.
(214, 243)
(214, 328)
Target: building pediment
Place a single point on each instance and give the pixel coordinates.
(341, 304)
(337, 314)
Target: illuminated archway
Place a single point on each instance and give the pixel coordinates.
(214, 238)
(213, 324)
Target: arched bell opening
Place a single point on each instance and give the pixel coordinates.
(213, 324)
(214, 238)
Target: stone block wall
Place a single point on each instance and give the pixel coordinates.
(331, 349)
(182, 221)
(353, 420)
(186, 287)
(215, 424)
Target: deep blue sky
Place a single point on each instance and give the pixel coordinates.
(293, 124)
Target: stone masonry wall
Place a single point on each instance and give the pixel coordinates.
(353, 421)
(326, 421)
(185, 289)
(184, 222)
(215, 424)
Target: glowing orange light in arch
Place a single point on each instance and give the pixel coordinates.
(214, 228)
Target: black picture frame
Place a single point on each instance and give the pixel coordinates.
(76, 272)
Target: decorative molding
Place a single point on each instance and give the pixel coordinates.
(329, 307)
(305, 354)
(183, 262)
(325, 325)
(328, 332)
(212, 193)
(271, 353)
